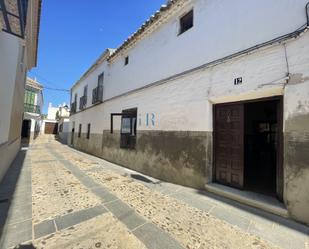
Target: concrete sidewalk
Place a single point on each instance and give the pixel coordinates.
(56, 197)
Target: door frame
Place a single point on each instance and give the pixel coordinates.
(280, 150)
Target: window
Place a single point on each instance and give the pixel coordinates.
(29, 97)
(126, 60)
(85, 90)
(97, 93)
(128, 129)
(88, 131)
(101, 79)
(186, 22)
(80, 130)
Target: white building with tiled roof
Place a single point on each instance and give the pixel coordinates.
(207, 94)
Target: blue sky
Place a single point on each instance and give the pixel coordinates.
(74, 33)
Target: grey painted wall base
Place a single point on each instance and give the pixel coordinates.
(63, 137)
(176, 156)
(185, 158)
(296, 167)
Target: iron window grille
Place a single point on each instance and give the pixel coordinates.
(83, 102)
(73, 107)
(97, 95)
(32, 108)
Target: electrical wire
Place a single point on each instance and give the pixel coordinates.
(56, 89)
(49, 83)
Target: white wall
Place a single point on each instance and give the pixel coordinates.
(186, 103)
(92, 82)
(9, 55)
(221, 28)
(51, 112)
(38, 100)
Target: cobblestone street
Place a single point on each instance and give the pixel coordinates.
(56, 197)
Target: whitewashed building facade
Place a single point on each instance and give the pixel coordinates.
(206, 92)
(33, 106)
(64, 123)
(19, 31)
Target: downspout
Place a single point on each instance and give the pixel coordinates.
(307, 14)
(288, 75)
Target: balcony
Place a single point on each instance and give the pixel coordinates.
(73, 108)
(97, 95)
(82, 103)
(32, 108)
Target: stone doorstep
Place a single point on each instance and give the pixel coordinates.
(266, 203)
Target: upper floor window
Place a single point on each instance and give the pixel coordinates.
(97, 93)
(126, 60)
(101, 79)
(29, 97)
(186, 22)
(85, 90)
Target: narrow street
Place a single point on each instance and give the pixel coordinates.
(79, 201)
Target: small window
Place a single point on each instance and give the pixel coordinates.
(86, 90)
(80, 130)
(88, 131)
(101, 79)
(186, 22)
(126, 60)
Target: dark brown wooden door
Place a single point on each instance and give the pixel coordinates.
(51, 128)
(229, 144)
(279, 176)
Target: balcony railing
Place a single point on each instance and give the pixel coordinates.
(82, 103)
(32, 108)
(97, 95)
(73, 107)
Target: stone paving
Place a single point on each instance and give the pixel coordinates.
(56, 197)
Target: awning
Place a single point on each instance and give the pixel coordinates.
(13, 15)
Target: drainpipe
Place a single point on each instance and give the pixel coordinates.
(307, 13)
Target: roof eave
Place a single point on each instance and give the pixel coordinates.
(32, 32)
(103, 57)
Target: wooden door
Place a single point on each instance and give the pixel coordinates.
(279, 176)
(51, 128)
(229, 144)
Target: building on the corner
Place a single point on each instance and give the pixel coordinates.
(57, 121)
(33, 105)
(64, 123)
(50, 123)
(208, 94)
(19, 31)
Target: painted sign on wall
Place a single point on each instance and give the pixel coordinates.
(147, 119)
